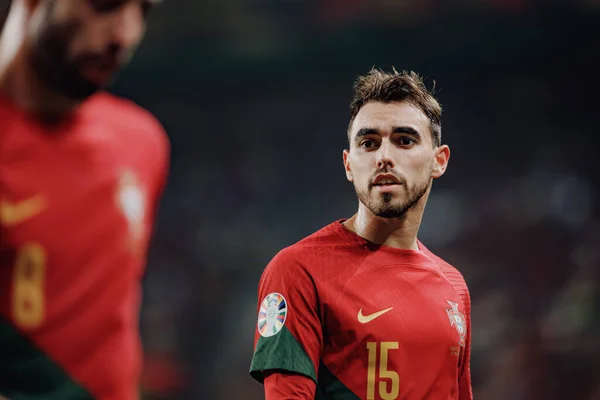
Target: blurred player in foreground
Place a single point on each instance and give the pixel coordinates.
(81, 173)
(361, 309)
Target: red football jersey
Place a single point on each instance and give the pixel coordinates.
(364, 321)
(77, 204)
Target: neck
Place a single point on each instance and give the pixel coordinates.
(399, 232)
(18, 80)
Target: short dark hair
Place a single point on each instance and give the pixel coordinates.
(387, 87)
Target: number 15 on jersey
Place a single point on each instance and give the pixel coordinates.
(378, 372)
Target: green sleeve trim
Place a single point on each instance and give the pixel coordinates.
(27, 373)
(331, 388)
(281, 352)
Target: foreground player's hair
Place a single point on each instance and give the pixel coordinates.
(387, 87)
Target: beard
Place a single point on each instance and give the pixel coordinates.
(387, 205)
(51, 62)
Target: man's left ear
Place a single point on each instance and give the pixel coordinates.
(442, 155)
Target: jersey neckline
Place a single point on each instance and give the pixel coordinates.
(422, 257)
(351, 235)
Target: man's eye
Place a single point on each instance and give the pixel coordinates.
(367, 144)
(407, 141)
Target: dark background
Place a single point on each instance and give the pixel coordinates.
(254, 95)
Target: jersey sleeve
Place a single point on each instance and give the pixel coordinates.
(465, 391)
(282, 386)
(288, 334)
(162, 160)
(158, 159)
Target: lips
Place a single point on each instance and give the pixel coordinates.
(385, 180)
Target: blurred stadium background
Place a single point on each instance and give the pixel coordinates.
(254, 94)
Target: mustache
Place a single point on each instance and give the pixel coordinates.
(401, 179)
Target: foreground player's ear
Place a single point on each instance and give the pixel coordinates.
(442, 155)
(347, 166)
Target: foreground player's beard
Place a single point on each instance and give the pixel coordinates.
(51, 62)
(385, 207)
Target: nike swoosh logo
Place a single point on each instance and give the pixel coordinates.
(363, 319)
(15, 213)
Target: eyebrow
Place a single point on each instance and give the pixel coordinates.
(396, 129)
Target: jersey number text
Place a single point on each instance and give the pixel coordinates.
(28, 289)
(389, 381)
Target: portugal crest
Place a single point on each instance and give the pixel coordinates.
(272, 314)
(457, 319)
(130, 199)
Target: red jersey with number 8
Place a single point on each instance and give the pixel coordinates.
(364, 321)
(77, 200)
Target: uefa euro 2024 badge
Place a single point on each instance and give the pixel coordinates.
(272, 314)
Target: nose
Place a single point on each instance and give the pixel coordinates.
(128, 25)
(384, 156)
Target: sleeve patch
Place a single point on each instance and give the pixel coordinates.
(272, 315)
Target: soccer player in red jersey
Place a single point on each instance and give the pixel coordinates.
(362, 309)
(81, 172)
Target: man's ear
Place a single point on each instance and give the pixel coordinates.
(346, 158)
(442, 156)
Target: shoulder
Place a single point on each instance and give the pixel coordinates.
(451, 273)
(136, 131)
(130, 120)
(311, 253)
